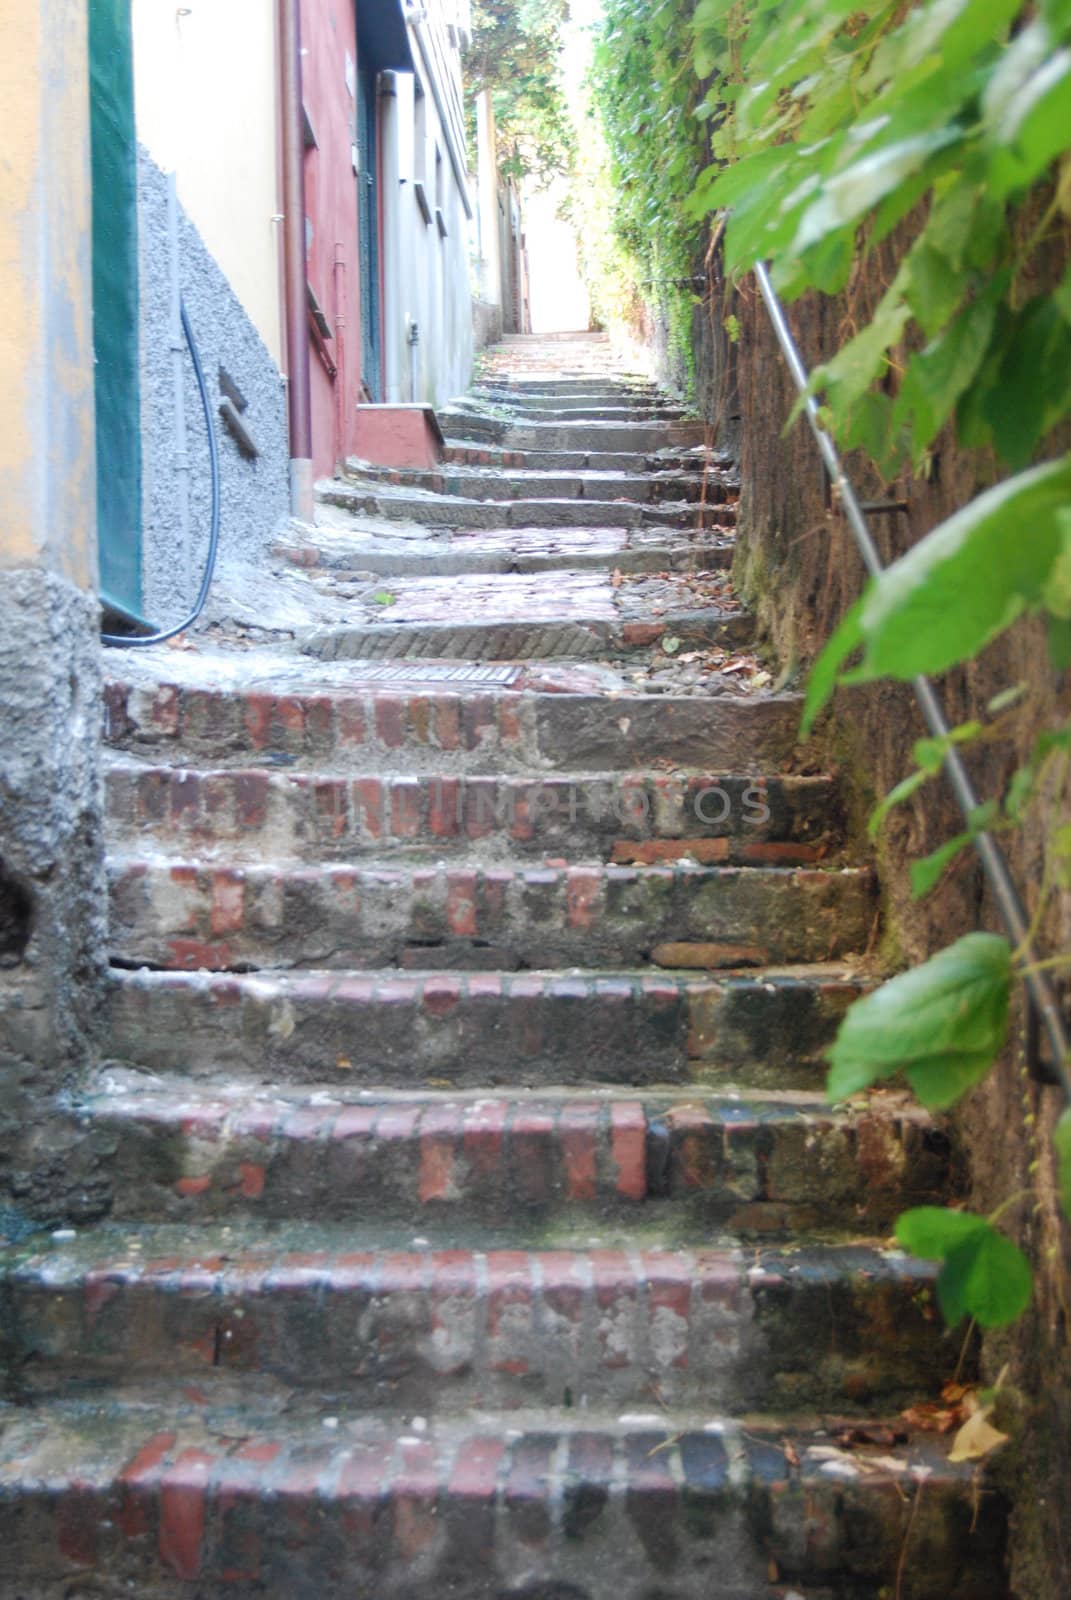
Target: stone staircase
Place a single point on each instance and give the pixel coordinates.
(470, 1221)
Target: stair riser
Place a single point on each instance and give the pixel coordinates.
(456, 511)
(568, 486)
(432, 730)
(191, 915)
(595, 1516)
(521, 640)
(500, 1164)
(476, 1030)
(522, 409)
(462, 428)
(269, 815)
(463, 1329)
(707, 553)
(627, 461)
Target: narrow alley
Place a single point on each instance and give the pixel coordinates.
(463, 1212)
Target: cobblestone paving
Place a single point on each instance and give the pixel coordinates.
(463, 1214)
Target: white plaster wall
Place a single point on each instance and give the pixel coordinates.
(205, 88)
(427, 278)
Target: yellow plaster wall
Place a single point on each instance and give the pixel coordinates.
(206, 103)
(47, 485)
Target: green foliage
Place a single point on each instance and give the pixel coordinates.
(831, 122)
(515, 53)
(941, 1024)
(1062, 1140)
(646, 96)
(984, 1275)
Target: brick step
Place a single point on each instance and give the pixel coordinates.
(196, 914)
(522, 408)
(342, 551)
(506, 1166)
(480, 483)
(163, 1491)
(463, 427)
(574, 391)
(263, 814)
(445, 1329)
(455, 510)
(672, 458)
(481, 1029)
(210, 708)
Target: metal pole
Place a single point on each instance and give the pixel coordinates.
(297, 338)
(992, 858)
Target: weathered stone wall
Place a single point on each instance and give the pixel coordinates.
(797, 567)
(51, 877)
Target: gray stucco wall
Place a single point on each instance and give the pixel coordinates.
(52, 900)
(254, 494)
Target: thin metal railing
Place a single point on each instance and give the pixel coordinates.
(995, 867)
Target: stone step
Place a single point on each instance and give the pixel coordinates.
(161, 1492)
(519, 637)
(346, 550)
(461, 427)
(506, 1167)
(483, 483)
(522, 408)
(263, 814)
(220, 709)
(569, 389)
(446, 1329)
(406, 1029)
(697, 458)
(455, 510)
(193, 914)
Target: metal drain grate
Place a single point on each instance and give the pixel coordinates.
(432, 672)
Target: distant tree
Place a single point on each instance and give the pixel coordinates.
(515, 53)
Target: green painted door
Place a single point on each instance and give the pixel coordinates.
(115, 303)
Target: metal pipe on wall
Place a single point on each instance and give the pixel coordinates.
(393, 315)
(299, 396)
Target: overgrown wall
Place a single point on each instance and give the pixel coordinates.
(797, 567)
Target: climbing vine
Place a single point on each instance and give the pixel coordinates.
(832, 124)
(646, 94)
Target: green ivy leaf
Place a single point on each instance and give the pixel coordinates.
(984, 1276)
(937, 377)
(967, 580)
(895, 797)
(1062, 1140)
(942, 1024)
(857, 188)
(927, 873)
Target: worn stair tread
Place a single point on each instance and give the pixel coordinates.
(457, 1322)
(345, 545)
(175, 1489)
(433, 509)
(475, 1028)
(234, 707)
(690, 1161)
(179, 910)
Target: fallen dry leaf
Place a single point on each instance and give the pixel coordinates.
(977, 1438)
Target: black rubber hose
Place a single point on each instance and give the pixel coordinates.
(131, 641)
